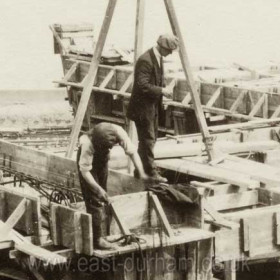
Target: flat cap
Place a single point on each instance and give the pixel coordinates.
(168, 41)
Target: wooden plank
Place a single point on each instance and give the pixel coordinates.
(67, 227)
(230, 270)
(192, 264)
(245, 235)
(269, 175)
(6, 244)
(189, 77)
(40, 164)
(237, 102)
(277, 227)
(58, 170)
(167, 102)
(22, 244)
(57, 37)
(54, 225)
(124, 229)
(228, 245)
(232, 201)
(2, 205)
(208, 172)
(252, 213)
(217, 188)
(40, 253)
(75, 28)
(214, 97)
(78, 233)
(269, 196)
(125, 205)
(204, 262)
(227, 88)
(127, 83)
(107, 79)
(254, 124)
(87, 234)
(257, 106)
(139, 29)
(261, 234)
(17, 213)
(72, 229)
(161, 215)
(91, 78)
(187, 99)
(30, 222)
(217, 217)
(254, 73)
(138, 50)
(83, 82)
(276, 113)
(182, 235)
(265, 107)
(70, 72)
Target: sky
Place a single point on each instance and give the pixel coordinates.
(243, 31)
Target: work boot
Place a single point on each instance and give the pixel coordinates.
(102, 244)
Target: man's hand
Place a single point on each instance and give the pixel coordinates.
(144, 176)
(103, 196)
(167, 92)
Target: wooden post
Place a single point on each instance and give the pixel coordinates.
(138, 49)
(155, 203)
(187, 70)
(230, 270)
(90, 78)
(139, 29)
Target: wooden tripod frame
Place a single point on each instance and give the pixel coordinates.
(138, 49)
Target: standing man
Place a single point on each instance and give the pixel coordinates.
(146, 99)
(92, 160)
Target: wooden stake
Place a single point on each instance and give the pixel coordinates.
(138, 49)
(230, 270)
(58, 39)
(161, 215)
(90, 79)
(189, 77)
(124, 229)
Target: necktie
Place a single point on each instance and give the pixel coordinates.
(161, 70)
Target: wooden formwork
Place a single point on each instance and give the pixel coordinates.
(238, 187)
(162, 238)
(21, 213)
(113, 84)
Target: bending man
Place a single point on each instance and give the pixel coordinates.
(92, 159)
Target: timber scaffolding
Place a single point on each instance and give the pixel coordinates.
(234, 217)
(227, 94)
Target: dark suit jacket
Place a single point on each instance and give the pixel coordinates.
(146, 94)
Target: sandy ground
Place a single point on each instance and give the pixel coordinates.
(37, 108)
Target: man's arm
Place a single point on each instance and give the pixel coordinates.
(94, 186)
(85, 166)
(138, 165)
(143, 73)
